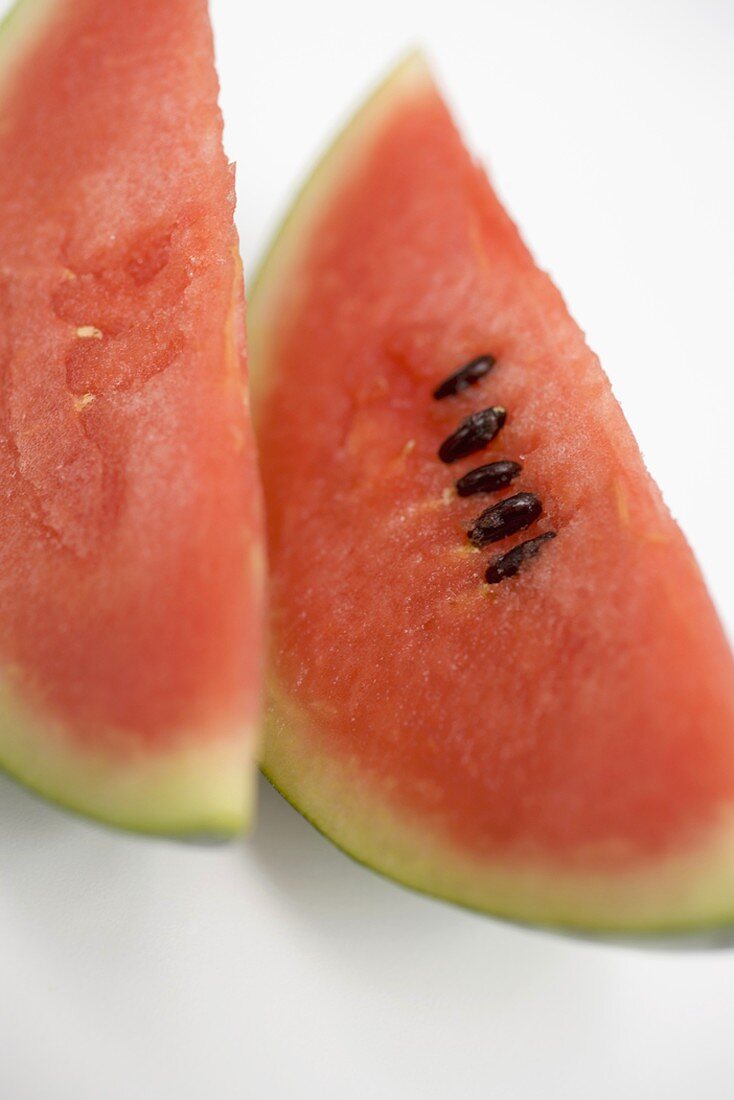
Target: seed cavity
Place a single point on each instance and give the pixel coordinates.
(505, 518)
(507, 565)
(466, 376)
(473, 433)
(489, 478)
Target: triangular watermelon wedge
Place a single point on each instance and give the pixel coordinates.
(514, 693)
(130, 552)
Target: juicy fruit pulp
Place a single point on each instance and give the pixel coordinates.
(558, 744)
(130, 530)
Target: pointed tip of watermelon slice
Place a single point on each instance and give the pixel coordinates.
(412, 68)
(410, 77)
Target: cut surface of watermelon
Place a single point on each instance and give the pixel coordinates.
(130, 532)
(556, 745)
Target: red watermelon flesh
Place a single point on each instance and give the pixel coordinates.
(555, 747)
(130, 543)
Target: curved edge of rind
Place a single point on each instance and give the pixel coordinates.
(681, 895)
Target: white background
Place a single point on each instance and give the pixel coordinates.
(274, 968)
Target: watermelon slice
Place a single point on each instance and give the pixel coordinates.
(130, 542)
(513, 693)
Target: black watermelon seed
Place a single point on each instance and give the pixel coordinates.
(465, 376)
(486, 479)
(511, 563)
(473, 433)
(505, 518)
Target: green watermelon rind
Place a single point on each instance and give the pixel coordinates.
(193, 791)
(689, 893)
(16, 29)
(686, 894)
